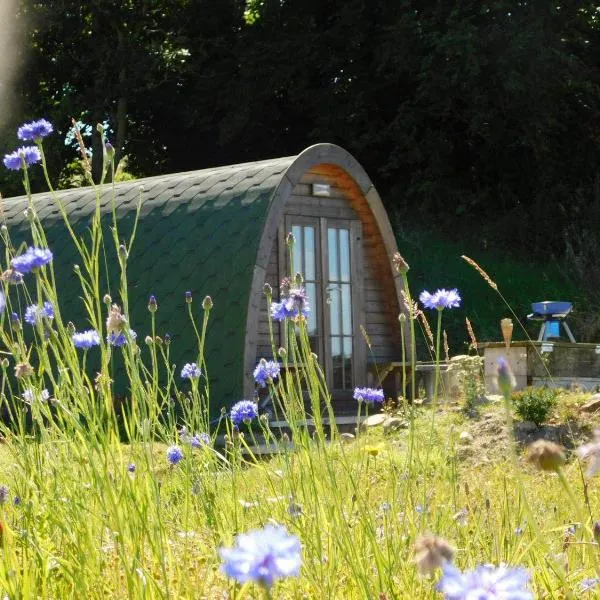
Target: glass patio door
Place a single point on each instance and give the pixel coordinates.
(326, 253)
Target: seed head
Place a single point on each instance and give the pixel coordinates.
(431, 553)
(23, 370)
(545, 455)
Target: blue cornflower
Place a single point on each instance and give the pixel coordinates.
(485, 582)
(118, 338)
(131, 467)
(30, 155)
(190, 371)
(32, 258)
(34, 131)
(588, 585)
(243, 412)
(263, 555)
(34, 314)
(3, 494)
(368, 395)
(294, 304)
(199, 440)
(266, 371)
(17, 500)
(86, 339)
(174, 454)
(440, 299)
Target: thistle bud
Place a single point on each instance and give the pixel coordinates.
(152, 304)
(268, 291)
(545, 455)
(399, 263)
(188, 297)
(207, 303)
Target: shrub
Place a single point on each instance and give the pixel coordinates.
(535, 404)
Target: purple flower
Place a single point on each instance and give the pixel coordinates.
(86, 339)
(440, 299)
(118, 338)
(190, 371)
(30, 155)
(293, 304)
(506, 380)
(591, 452)
(588, 585)
(2, 302)
(266, 371)
(485, 582)
(263, 555)
(368, 395)
(174, 454)
(131, 467)
(34, 131)
(243, 412)
(3, 494)
(34, 314)
(199, 440)
(32, 258)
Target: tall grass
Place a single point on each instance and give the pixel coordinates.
(95, 510)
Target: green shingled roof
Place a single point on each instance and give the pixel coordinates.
(198, 231)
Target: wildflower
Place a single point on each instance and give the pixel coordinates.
(263, 555)
(17, 500)
(591, 452)
(32, 258)
(505, 380)
(152, 304)
(131, 467)
(588, 585)
(34, 314)
(3, 494)
(545, 455)
(243, 412)
(190, 371)
(440, 299)
(368, 395)
(23, 370)
(2, 302)
(30, 395)
(485, 582)
(266, 371)
(115, 322)
(188, 297)
(399, 263)
(199, 440)
(23, 156)
(110, 150)
(12, 276)
(174, 454)
(432, 552)
(294, 304)
(120, 339)
(86, 339)
(35, 130)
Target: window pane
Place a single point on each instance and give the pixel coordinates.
(309, 254)
(344, 255)
(311, 290)
(297, 255)
(332, 251)
(346, 309)
(337, 363)
(348, 363)
(335, 308)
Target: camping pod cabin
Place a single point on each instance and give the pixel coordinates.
(222, 232)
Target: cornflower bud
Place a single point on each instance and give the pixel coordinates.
(152, 304)
(167, 339)
(4, 363)
(298, 280)
(15, 322)
(148, 339)
(506, 381)
(123, 254)
(188, 297)
(107, 299)
(71, 328)
(207, 303)
(399, 263)
(100, 128)
(290, 240)
(110, 150)
(268, 291)
(282, 352)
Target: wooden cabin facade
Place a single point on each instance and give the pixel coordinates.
(221, 232)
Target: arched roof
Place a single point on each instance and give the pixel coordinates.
(207, 231)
